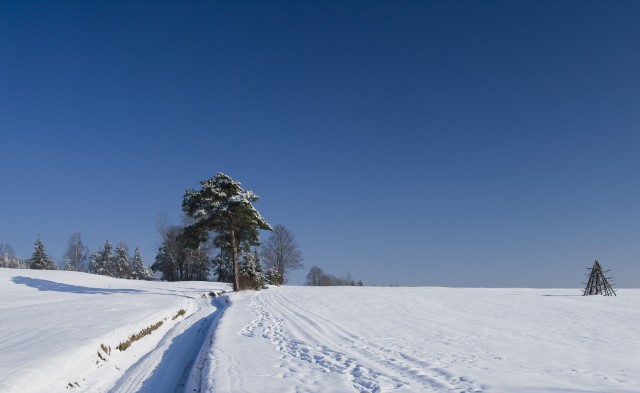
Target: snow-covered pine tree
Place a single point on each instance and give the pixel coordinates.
(40, 260)
(67, 264)
(259, 273)
(95, 263)
(224, 207)
(121, 261)
(107, 260)
(101, 261)
(166, 263)
(272, 276)
(250, 273)
(137, 268)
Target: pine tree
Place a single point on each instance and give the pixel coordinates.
(95, 263)
(107, 260)
(102, 261)
(121, 261)
(223, 206)
(67, 266)
(40, 260)
(250, 271)
(272, 276)
(137, 268)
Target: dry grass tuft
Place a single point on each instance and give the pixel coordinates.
(126, 344)
(180, 312)
(106, 349)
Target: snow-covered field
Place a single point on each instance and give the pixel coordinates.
(296, 339)
(54, 324)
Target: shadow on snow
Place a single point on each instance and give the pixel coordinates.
(46, 285)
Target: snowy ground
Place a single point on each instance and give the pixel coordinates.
(53, 325)
(295, 339)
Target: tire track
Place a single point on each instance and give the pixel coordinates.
(169, 366)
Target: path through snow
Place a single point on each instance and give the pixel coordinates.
(168, 366)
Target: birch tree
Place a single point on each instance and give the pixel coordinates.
(75, 258)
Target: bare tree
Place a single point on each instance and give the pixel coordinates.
(9, 259)
(75, 258)
(315, 277)
(318, 278)
(175, 260)
(280, 252)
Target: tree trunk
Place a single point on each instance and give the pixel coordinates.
(281, 272)
(236, 269)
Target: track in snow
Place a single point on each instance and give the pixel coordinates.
(322, 342)
(170, 365)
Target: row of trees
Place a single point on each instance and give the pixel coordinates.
(75, 257)
(318, 278)
(8, 258)
(176, 261)
(220, 237)
(119, 264)
(103, 261)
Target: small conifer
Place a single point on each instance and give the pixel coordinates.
(40, 260)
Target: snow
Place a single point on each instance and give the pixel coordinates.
(427, 340)
(303, 339)
(54, 323)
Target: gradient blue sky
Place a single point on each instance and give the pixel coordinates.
(452, 143)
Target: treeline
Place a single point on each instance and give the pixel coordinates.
(179, 259)
(219, 239)
(318, 278)
(118, 264)
(77, 258)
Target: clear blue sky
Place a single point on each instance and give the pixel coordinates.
(453, 143)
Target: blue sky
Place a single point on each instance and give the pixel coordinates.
(454, 143)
